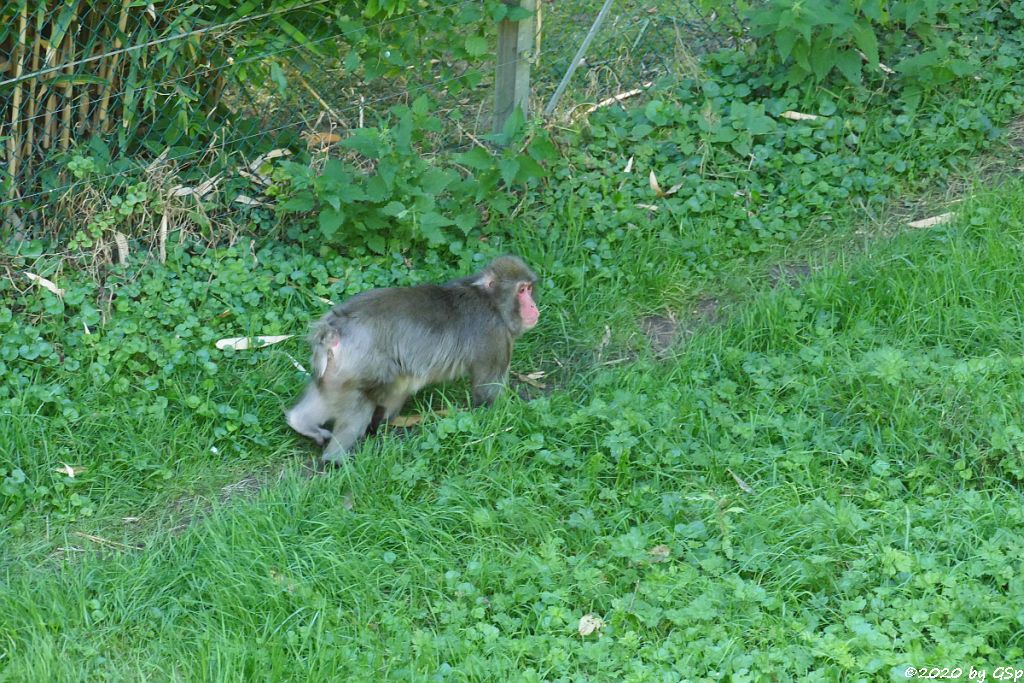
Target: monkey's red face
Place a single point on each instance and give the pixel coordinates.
(528, 312)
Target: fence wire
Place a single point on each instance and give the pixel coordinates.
(171, 93)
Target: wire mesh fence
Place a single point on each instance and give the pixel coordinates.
(94, 92)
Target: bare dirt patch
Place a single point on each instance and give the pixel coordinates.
(661, 331)
(665, 332)
(789, 274)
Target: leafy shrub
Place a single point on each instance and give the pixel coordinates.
(815, 39)
(395, 197)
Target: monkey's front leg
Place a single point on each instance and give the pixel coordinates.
(388, 405)
(307, 416)
(352, 411)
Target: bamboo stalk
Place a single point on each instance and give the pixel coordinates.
(32, 102)
(19, 69)
(102, 123)
(69, 87)
(88, 28)
(51, 100)
(538, 34)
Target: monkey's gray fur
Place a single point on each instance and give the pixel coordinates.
(379, 347)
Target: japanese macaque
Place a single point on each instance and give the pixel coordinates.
(379, 347)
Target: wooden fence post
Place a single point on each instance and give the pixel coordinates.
(512, 80)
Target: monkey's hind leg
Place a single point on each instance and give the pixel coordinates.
(352, 411)
(307, 416)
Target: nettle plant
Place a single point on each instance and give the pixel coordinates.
(815, 39)
(385, 192)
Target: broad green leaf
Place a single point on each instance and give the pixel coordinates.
(393, 209)
(421, 105)
(352, 61)
(508, 168)
(513, 125)
(542, 149)
(784, 41)
(528, 169)
(849, 64)
(499, 11)
(278, 77)
(478, 158)
(435, 180)
(299, 203)
(919, 62)
(376, 243)
(430, 225)
(867, 42)
(467, 220)
(366, 141)
(330, 221)
(517, 13)
(476, 46)
(335, 170)
(377, 190)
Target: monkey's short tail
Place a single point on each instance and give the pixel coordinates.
(325, 342)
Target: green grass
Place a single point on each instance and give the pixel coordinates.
(875, 415)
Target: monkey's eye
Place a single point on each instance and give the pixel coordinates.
(526, 288)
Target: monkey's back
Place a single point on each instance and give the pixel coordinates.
(428, 333)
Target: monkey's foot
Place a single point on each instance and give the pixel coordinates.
(334, 457)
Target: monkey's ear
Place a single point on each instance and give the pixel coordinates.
(486, 281)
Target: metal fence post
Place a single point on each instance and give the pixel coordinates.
(512, 80)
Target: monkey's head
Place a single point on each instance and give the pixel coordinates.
(510, 282)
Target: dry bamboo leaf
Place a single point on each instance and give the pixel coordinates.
(163, 238)
(263, 158)
(181, 191)
(69, 470)
(881, 66)
(659, 553)
(672, 190)
(590, 623)
(321, 139)
(649, 207)
(122, 247)
(798, 116)
(249, 201)
(617, 98)
(629, 166)
(254, 177)
(207, 186)
(45, 284)
(413, 420)
(531, 379)
(297, 364)
(653, 180)
(744, 486)
(929, 222)
(243, 343)
(156, 163)
(405, 420)
(326, 301)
